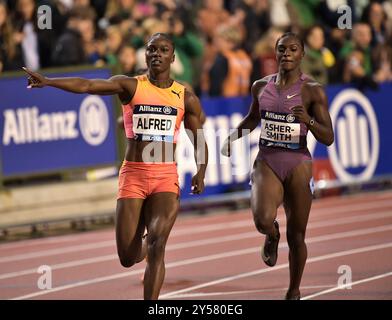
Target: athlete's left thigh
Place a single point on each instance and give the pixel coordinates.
(298, 195)
(160, 213)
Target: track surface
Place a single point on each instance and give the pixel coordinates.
(217, 256)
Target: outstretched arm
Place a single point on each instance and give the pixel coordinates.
(121, 85)
(251, 120)
(195, 133)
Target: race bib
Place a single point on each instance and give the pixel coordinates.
(154, 123)
(280, 130)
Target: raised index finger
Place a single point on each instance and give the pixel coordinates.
(28, 71)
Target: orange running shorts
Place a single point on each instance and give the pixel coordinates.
(139, 179)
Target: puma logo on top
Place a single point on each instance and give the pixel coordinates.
(177, 93)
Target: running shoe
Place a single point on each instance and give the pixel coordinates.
(269, 252)
(294, 297)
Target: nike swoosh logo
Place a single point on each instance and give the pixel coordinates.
(263, 256)
(290, 96)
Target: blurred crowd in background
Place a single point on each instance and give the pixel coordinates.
(221, 46)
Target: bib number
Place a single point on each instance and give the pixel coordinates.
(280, 130)
(154, 123)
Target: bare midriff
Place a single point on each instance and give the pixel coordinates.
(147, 151)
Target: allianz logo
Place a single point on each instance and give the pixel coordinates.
(353, 137)
(28, 125)
(357, 142)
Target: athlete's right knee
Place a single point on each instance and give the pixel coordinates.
(126, 259)
(264, 223)
(126, 262)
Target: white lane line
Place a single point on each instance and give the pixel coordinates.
(206, 258)
(227, 293)
(37, 242)
(342, 287)
(242, 223)
(108, 243)
(196, 243)
(53, 252)
(249, 222)
(278, 267)
(59, 266)
(311, 226)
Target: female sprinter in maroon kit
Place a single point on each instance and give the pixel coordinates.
(288, 104)
(153, 107)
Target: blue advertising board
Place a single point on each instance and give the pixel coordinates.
(44, 130)
(361, 121)
(362, 148)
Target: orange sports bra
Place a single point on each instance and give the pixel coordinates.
(154, 114)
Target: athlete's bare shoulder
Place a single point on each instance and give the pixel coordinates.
(313, 87)
(186, 85)
(310, 84)
(190, 98)
(261, 83)
(124, 80)
(268, 78)
(128, 85)
(313, 92)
